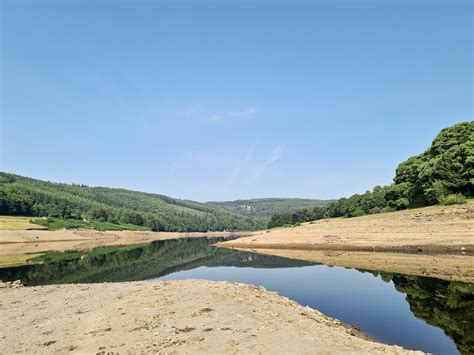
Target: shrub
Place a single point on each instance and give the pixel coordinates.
(357, 213)
(387, 209)
(452, 199)
(375, 210)
(400, 204)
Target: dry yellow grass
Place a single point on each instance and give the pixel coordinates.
(17, 223)
(14, 260)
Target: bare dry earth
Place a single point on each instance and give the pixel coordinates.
(170, 317)
(19, 242)
(434, 241)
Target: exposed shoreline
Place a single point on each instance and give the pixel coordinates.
(192, 316)
(419, 249)
(17, 246)
(435, 241)
(445, 267)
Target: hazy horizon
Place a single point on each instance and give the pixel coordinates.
(211, 102)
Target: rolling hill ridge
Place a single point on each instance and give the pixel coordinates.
(25, 196)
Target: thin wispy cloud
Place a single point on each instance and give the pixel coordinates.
(215, 117)
(250, 167)
(242, 165)
(199, 112)
(172, 171)
(249, 112)
(275, 154)
(208, 157)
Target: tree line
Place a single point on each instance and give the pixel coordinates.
(444, 173)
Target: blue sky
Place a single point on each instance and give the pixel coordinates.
(223, 100)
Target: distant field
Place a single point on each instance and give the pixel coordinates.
(22, 223)
(18, 223)
(57, 223)
(14, 260)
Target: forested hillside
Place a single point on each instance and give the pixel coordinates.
(29, 197)
(442, 174)
(264, 208)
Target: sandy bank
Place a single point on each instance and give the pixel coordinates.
(174, 316)
(445, 267)
(434, 241)
(21, 242)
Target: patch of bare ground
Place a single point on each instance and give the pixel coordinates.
(434, 241)
(445, 267)
(22, 242)
(170, 317)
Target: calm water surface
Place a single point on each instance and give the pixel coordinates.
(354, 297)
(415, 312)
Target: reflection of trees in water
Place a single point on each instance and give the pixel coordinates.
(443, 304)
(141, 262)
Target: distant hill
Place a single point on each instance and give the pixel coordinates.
(264, 208)
(30, 197)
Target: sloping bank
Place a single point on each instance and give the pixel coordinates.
(435, 241)
(165, 317)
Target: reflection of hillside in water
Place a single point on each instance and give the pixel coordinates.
(142, 262)
(443, 304)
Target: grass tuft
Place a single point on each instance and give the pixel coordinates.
(453, 199)
(17, 223)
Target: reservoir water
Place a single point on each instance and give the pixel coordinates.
(417, 313)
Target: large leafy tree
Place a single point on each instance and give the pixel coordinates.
(447, 167)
